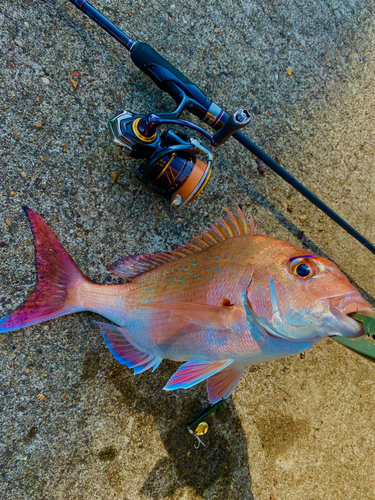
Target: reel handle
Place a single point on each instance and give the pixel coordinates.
(167, 77)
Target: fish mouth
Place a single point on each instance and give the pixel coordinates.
(341, 323)
(344, 307)
(350, 305)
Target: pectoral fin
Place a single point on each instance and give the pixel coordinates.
(218, 317)
(222, 384)
(194, 371)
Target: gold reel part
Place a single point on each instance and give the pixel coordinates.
(141, 136)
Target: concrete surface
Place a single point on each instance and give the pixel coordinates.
(299, 428)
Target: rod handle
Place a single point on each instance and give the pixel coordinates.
(166, 76)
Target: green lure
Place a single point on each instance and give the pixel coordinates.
(364, 345)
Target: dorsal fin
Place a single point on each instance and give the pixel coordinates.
(233, 225)
(130, 267)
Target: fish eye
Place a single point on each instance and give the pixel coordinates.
(303, 271)
(302, 268)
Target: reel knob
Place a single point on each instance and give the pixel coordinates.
(176, 201)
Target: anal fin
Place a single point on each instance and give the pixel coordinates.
(125, 353)
(222, 384)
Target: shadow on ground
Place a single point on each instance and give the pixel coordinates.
(221, 466)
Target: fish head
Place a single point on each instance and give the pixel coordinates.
(299, 296)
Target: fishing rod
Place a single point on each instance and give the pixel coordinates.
(177, 166)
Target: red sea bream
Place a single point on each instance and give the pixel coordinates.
(229, 299)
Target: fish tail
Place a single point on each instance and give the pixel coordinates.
(58, 281)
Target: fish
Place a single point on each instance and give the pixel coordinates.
(228, 299)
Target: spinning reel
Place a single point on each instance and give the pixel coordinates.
(172, 167)
(175, 165)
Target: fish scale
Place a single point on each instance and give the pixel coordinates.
(228, 299)
(207, 278)
(214, 269)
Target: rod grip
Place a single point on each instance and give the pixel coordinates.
(164, 74)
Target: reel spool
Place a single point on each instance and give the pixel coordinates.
(184, 177)
(175, 165)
